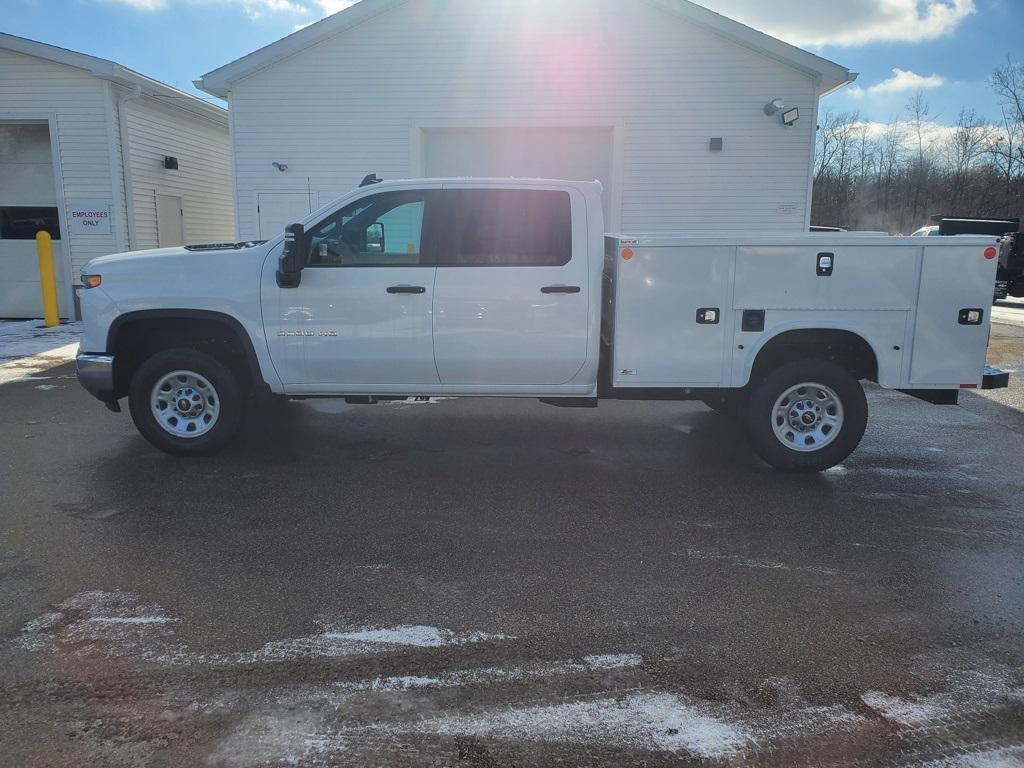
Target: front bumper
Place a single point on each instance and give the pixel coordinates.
(96, 375)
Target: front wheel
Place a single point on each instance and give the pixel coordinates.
(185, 402)
(806, 416)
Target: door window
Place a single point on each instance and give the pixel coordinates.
(384, 230)
(508, 228)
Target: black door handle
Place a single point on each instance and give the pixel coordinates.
(560, 289)
(407, 289)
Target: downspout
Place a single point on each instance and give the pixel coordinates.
(126, 170)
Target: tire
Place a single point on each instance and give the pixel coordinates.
(724, 401)
(168, 381)
(810, 428)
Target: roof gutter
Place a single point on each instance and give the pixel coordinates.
(851, 77)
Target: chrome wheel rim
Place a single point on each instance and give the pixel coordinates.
(185, 404)
(807, 417)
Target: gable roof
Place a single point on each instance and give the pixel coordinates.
(113, 72)
(831, 76)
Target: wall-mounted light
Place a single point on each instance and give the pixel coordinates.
(774, 106)
(282, 167)
(170, 163)
(790, 116)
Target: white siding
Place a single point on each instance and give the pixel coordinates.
(355, 104)
(32, 88)
(203, 178)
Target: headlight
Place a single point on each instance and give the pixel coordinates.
(92, 281)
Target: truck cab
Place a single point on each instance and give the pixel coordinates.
(510, 288)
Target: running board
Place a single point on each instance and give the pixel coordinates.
(570, 402)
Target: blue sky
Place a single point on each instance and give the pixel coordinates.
(949, 47)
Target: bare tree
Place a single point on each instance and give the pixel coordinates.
(972, 139)
(919, 111)
(870, 176)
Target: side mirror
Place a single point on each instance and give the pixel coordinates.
(293, 260)
(375, 238)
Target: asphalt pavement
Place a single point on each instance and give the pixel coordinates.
(503, 583)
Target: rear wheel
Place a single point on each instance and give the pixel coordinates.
(185, 402)
(806, 416)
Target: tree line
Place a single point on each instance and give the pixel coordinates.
(893, 177)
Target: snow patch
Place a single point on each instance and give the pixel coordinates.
(748, 562)
(969, 693)
(131, 619)
(492, 675)
(657, 721)
(27, 348)
(1005, 757)
(337, 643)
(613, 660)
(292, 737)
(118, 624)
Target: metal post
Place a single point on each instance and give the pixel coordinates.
(47, 278)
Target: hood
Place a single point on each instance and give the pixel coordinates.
(155, 256)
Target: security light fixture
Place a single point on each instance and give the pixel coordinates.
(282, 167)
(790, 116)
(774, 106)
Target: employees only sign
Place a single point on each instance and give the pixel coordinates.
(89, 217)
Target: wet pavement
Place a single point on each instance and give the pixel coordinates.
(502, 583)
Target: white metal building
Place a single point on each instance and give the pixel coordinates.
(661, 100)
(83, 143)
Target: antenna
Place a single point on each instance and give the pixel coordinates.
(370, 180)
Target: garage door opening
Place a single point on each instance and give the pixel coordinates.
(28, 205)
(574, 154)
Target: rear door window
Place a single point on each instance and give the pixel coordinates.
(507, 228)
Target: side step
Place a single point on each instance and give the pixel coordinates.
(995, 378)
(570, 402)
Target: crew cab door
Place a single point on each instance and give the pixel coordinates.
(511, 295)
(361, 317)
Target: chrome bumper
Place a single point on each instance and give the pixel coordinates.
(96, 374)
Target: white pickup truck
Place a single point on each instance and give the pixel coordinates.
(510, 288)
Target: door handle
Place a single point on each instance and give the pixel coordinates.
(560, 289)
(407, 289)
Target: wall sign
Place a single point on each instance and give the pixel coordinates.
(89, 217)
(786, 209)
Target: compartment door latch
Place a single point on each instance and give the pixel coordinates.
(826, 264)
(709, 316)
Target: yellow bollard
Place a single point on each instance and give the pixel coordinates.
(47, 278)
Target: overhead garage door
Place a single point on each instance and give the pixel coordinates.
(28, 204)
(575, 154)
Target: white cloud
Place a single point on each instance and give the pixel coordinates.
(902, 81)
(931, 132)
(254, 9)
(849, 22)
(333, 6)
(144, 5)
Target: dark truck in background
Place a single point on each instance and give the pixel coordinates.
(1010, 273)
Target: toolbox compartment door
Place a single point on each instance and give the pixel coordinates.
(946, 351)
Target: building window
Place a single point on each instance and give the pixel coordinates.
(22, 222)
